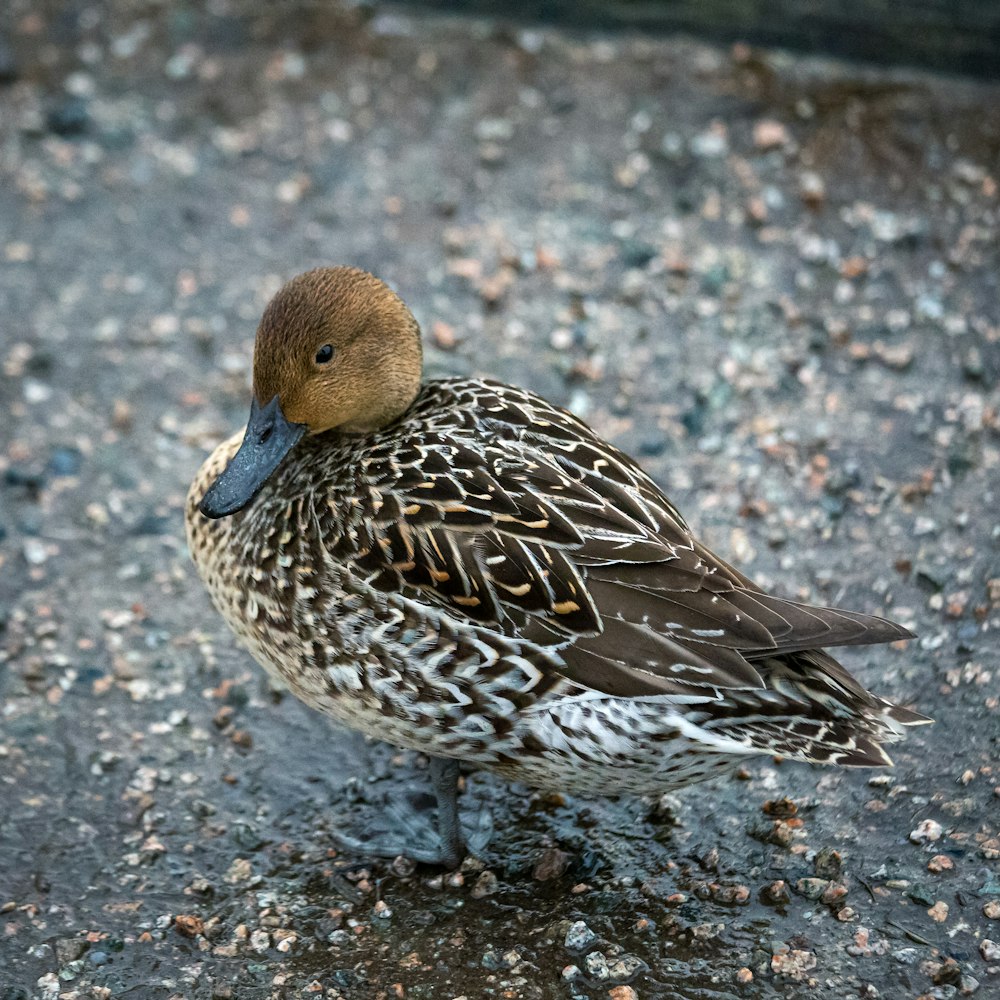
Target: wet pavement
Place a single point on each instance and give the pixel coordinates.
(774, 280)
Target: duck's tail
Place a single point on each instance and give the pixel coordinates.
(811, 709)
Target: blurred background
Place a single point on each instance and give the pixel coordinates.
(770, 274)
(962, 37)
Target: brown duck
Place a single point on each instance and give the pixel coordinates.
(461, 568)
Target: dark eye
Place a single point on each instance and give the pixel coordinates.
(324, 354)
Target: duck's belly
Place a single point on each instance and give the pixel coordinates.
(407, 674)
(581, 743)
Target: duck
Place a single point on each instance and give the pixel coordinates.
(461, 568)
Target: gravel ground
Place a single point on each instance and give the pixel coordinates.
(774, 280)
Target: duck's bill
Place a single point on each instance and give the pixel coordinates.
(269, 438)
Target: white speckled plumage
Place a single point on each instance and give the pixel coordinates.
(483, 578)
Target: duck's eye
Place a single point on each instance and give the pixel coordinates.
(324, 354)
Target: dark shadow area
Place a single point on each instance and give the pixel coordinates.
(954, 37)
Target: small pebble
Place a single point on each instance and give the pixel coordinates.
(769, 134)
(968, 985)
(69, 117)
(35, 552)
(928, 830)
(781, 833)
(260, 941)
(828, 863)
(709, 144)
(938, 912)
(793, 963)
(921, 893)
(65, 462)
(579, 936)
(812, 190)
(188, 925)
(485, 885)
(776, 892)
(946, 972)
(627, 967)
(739, 894)
(860, 945)
(597, 967)
(623, 993)
(833, 893)
(550, 865)
(940, 863)
(811, 888)
(69, 949)
(444, 335)
(403, 867)
(511, 958)
(780, 808)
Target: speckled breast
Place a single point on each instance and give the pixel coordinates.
(381, 663)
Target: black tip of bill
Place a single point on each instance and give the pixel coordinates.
(269, 438)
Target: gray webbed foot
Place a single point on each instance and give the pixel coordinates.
(410, 832)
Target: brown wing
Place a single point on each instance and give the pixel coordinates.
(514, 514)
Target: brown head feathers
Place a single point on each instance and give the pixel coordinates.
(339, 349)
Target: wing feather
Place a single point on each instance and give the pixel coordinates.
(508, 511)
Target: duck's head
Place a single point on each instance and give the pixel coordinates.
(336, 349)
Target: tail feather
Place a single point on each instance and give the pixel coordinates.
(844, 744)
(796, 626)
(905, 717)
(811, 709)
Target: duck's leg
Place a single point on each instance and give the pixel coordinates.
(444, 777)
(411, 836)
